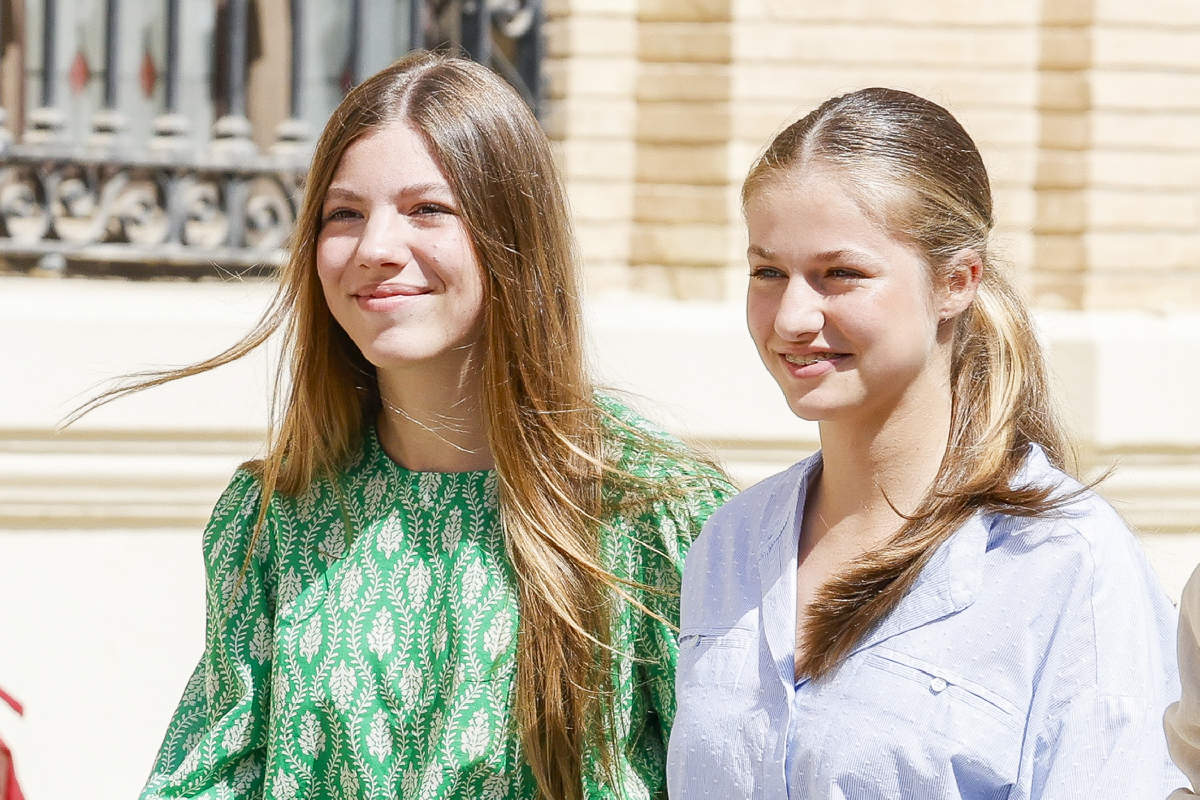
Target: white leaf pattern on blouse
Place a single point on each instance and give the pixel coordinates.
(334, 546)
(428, 484)
(497, 638)
(342, 684)
(379, 740)
(390, 534)
(473, 582)
(475, 738)
(382, 635)
(284, 787)
(312, 737)
(410, 684)
(260, 643)
(246, 774)
(452, 533)
(289, 588)
(351, 582)
(419, 581)
(310, 643)
(374, 491)
(495, 787)
(238, 735)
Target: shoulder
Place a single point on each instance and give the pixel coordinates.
(234, 516)
(734, 535)
(1088, 533)
(659, 491)
(762, 502)
(1102, 601)
(636, 447)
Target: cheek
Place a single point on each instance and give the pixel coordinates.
(760, 316)
(329, 262)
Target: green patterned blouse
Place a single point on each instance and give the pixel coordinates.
(368, 651)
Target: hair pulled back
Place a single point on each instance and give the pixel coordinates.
(913, 167)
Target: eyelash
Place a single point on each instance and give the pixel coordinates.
(765, 273)
(422, 209)
(845, 274)
(771, 273)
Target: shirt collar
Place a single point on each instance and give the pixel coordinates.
(949, 583)
(783, 518)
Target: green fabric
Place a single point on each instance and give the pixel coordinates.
(368, 650)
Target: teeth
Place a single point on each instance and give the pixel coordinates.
(804, 361)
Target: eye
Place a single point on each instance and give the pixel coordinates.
(430, 209)
(766, 273)
(340, 215)
(844, 273)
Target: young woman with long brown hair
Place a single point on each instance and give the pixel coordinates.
(454, 572)
(928, 607)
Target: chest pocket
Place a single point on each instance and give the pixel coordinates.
(923, 724)
(716, 658)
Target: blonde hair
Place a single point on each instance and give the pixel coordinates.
(913, 165)
(546, 431)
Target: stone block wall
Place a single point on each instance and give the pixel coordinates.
(1086, 112)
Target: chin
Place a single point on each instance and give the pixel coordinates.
(815, 409)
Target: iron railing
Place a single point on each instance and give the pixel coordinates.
(189, 187)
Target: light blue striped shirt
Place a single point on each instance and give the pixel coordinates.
(1031, 660)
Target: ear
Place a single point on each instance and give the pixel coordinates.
(962, 277)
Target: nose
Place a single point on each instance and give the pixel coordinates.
(385, 241)
(801, 312)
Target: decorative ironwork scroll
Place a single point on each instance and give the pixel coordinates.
(179, 203)
(150, 211)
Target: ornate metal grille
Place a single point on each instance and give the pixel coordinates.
(177, 195)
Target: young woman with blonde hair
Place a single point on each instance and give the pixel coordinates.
(928, 607)
(454, 572)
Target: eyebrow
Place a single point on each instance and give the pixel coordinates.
(346, 193)
(826, 256)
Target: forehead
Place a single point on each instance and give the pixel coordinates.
(814, 204)
(389, 154)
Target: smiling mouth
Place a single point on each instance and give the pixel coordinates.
(811, 358)
(387, 290)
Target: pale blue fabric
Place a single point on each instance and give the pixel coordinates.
(1031, 660)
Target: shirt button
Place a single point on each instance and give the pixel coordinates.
(938, 685)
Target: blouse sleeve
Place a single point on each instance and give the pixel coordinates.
(1182, 720)
(216, 738)
(669, 533)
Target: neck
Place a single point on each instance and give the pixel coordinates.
(867, 468)
(433, 422)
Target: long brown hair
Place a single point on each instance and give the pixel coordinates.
(546, 430)
(910, 162)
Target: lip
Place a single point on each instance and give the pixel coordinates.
(815, 369)
(387, 296)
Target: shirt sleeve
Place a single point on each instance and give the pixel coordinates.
(1101, 746)
(1182, 719)
(1108, 676)
(216, 739)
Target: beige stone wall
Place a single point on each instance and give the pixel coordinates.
(591, 47)
(1086, 111)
